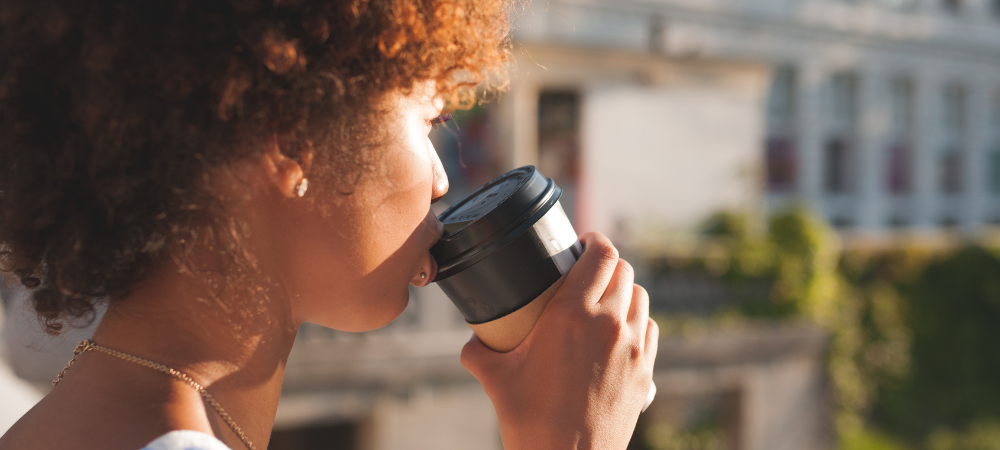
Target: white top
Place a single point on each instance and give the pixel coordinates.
(186, 440)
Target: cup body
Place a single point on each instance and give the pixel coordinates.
(503, 295)
(505, 247)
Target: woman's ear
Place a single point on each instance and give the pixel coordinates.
(284, 173)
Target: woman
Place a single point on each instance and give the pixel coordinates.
(222, 171)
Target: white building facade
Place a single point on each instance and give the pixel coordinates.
(882, 115)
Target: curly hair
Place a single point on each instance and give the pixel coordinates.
(113, 112)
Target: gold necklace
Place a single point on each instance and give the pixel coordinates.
(87, 345)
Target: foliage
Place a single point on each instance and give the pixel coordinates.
(800, 256)
(871, 440)
(914, 330)
(933, 342)
(665, 437)
(954, 316)
(982, 435)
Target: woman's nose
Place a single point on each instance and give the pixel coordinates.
(439, 187)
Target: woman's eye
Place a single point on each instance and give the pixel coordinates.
(440, 119)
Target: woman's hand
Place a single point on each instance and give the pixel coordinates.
(580, 378)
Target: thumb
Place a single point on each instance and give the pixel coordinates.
(479, 360)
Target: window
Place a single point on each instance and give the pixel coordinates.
(842, 101)
(838, 157)
(951, 172)
(994, 171)
(898, 222)
(559, 143)
(993, 175)
(995, 115)
(838, 164)
(780, 152)
(901, 104)
(954, 121)
(781, 164)
(842, 223)
(899, 164)
(781, 100)
(900, 168)
(954, 111)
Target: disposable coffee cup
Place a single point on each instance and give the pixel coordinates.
(505, 251)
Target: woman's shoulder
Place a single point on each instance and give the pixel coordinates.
(186, 440)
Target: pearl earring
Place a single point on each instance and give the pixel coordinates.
(301, 187)
(423, 275)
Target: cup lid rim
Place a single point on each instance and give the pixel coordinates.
(510, 204)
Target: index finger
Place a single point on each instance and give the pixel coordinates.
(590, 276)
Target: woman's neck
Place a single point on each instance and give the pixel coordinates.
(235, 347)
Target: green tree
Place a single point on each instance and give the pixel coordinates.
(954, 315)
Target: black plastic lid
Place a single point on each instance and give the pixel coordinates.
(491, 217)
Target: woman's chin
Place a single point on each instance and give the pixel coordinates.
(370, 318)
(385, 316)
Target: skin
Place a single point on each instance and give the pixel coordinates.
(577, 381)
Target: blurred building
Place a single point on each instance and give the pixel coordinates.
(883, 115)
(636, 139)
(403, 387)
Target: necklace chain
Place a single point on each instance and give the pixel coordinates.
(87, 345)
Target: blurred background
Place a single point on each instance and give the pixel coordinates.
(809, 190)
